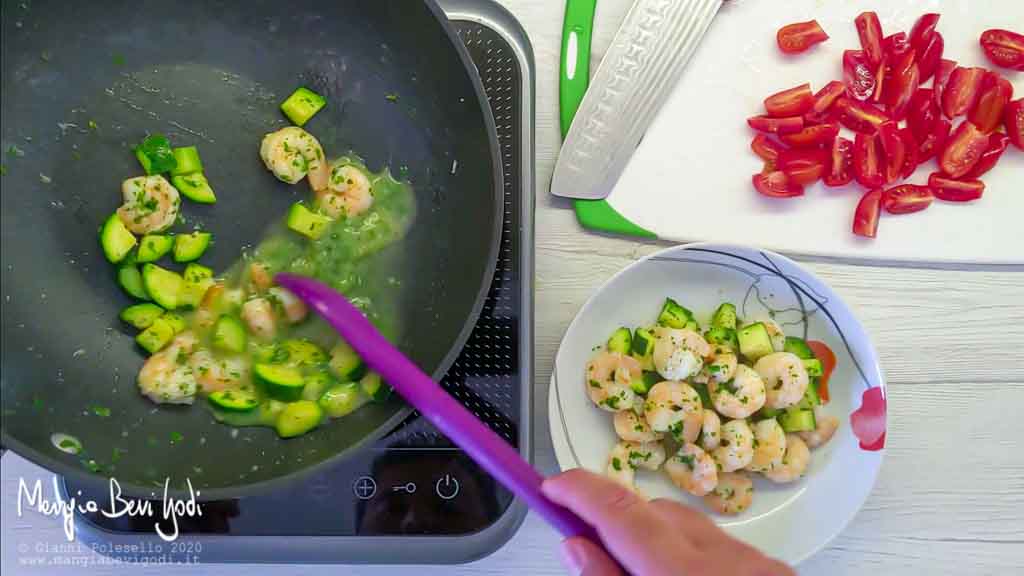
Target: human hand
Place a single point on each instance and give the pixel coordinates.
(656, 538)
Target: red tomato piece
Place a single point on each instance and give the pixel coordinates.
(868, 161)
(895, 44)
(952, 190)
(865, 218)
(859, 116)
(963, 150)
(997, 144)
(1013, 119)
(922, 113)
(776, 125)
(840, 171)
(805, 175)
(858, 74)
(900, 86)
(803, 166)
(880, 78)
(765, 147)
(824, 98)
(1004, 48)
(827, 357)
(777, 185)
(907, 198)
(870, 32)
(792, 102)
(993, 96)
(892, 146)
(921, 32)
(910, 148)
(812, 136)
(929, 56)
(942, 72)
(934, 142)
(961, 91)
(799, 36)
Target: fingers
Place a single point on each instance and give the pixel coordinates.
(584, 558)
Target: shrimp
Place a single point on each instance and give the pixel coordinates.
(674, 407)
(348, 194)
(827, 426)
(206, 312)
(723, 367)
(733, 494)
(632, 427)
(619, 468)
(293, 308)
(609, 375)
(213, 374)
(260, 276)
(166, 377)
(258, 315)
(693, 470)
(794, 461)
(648, 455)
(785, 378)
(769, 445)
(678, 354)
(710, 430)
(741, 397)
(150, 204)
(291, 154)
(736, 449)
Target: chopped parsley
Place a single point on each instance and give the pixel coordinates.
(688, 459)
(595, 384)
(176, 437)
(102, 411)
(617, 464)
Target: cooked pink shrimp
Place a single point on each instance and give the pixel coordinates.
(609, 379)
(258, 315)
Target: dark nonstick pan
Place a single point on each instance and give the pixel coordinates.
(82, 82)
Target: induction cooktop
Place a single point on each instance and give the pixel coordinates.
(413, 496)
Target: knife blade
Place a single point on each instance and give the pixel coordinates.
(638, 73)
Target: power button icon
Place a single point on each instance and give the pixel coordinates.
(447, 487)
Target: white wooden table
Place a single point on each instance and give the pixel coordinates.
(950, 498)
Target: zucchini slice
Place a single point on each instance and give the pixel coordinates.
(674, 315)
(117, 240)
(797, 420)
(130, 279)
(723, 336)
(724, 316)
(189, 247)
(155, 155)
(152, 247)
(754, 341)
(187, 158)
(177, 322)
(342, 399)
(157, 336)
(297, 352)
(374, 387)
(621, 341)
(163, 286)
(297, 418)
(142, 315)
(798, 347)
(198, 280)
(234, 400)
(284, 382)
(346, 365)
(229, 335)
(642, 344)
(195, 187)
(302, 105)
(306, 222)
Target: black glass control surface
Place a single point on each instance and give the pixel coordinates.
(414, 481)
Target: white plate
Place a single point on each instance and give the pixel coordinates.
(790, 521)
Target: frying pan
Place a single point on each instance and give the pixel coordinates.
(82, 82)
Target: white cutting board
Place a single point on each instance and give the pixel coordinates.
(690, 177)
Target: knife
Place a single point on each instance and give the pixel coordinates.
(635, 78)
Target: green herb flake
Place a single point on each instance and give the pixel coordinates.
(44, 56)
(14, 151)
(176, 437)
(93, 125)
(595, 384)
(617, 464)
(391, 97)
(689, 460)
(118, 59)
(102, 411)
(115, 456)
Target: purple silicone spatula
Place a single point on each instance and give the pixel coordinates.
(436, 405)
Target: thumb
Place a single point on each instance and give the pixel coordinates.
(583, 558)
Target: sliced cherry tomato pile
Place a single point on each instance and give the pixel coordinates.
(897, 122)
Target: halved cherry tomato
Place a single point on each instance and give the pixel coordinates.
(1004, 48)
(934, 142)
(805, 175)
(865, 217)
(929, 56)
(961, 91)
(870, 32)
(776, 125)
(892, 146)
(942, 72)
(921, 32)
(859, 116)
(907, 198)
(812, 136)
(997, 144)
(868, 161)
(792, 102)
(922, 113)
(993, 95)
(799, 36)
(858, 74)
(963, 149)
(952, 190)
(827, 357)
(1013, 119)
(910, 147)
(777, 185)
(803, 166)
(895, 44)
(840, 171)
(824, 98)
(765, 147)
(900, 86)
(880, 68)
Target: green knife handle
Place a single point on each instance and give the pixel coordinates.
(574, 71)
